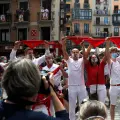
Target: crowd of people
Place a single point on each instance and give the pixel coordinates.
(47, 89)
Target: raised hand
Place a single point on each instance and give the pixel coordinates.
(17, 45)
(46, 44)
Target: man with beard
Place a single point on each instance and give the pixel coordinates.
(29, 53)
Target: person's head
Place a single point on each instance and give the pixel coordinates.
(29, 53)
(93, 110)
(75, 54)
(114, 52)
(49, 59)
(21, 79)
(94, 59)
(3, 59)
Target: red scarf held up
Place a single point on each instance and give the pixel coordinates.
(116, 40)
(96, 42)
(77, 40)
(33, 43)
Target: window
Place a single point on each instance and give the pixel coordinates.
(116, 31)
(98, 31)
(23, 5)
(86, 28)
(4, 8)
(82, 14)
(76, 28)
(105, 20)
(67, 7)
(4, 35)
(116, 9)
(22, 34)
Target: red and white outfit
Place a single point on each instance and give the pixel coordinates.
(76, 85)
(114, 68)
(47, 107)
(96, 77)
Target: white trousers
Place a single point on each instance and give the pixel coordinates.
(74, 92)
(101, 91)
(114, 94)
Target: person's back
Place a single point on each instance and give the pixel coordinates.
(21, 82)
(13, 112)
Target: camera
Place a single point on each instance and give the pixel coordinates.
(42, 89)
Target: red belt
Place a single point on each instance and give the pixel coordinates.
(116, 85)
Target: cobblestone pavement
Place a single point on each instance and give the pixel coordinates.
(117, 111)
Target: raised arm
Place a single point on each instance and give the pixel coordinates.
(107, 52)
(40, 60)
(86, 53)
(14, 50)
(65, 54)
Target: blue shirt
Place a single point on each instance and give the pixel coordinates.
(15, 112)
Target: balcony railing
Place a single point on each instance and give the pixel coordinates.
(22, 17)
(101, 35)
(116, 11)
(102, 12)
(45, 16)
(5, 18)
(96, 35)
(86, 5)
(106, 23)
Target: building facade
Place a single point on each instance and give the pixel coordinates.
(81, 17)
(116, 17)
(28, 20)
(102, 18)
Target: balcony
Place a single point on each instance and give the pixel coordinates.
(101, 13)
(116, 19)
(76, 14)
(86, 5)
(102, 23)
(22, 17)
(116, 11)
(44, 17)
(5, 19)
(101, 35)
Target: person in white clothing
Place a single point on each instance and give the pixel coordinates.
(114, 72)
(50, 67)
(29, 53)
(76, 85)
(46, 12)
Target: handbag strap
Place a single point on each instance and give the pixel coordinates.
(97, 80)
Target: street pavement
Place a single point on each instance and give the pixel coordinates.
(117, 111)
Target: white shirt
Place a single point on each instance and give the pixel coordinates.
(106, 70)
(114, 68)
(75, 72)
(57, 76)
(46, 10)
(36, 61)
